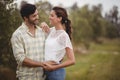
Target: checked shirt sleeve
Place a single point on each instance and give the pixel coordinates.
(18, 50)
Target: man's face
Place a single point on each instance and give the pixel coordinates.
(33, 18)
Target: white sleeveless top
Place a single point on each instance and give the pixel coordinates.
(55, 45)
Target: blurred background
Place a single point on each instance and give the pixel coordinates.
(96, 36)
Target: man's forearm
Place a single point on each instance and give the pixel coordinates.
(30, 63)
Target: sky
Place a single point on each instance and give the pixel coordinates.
(107, 4)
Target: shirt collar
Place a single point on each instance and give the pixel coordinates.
(25, 27)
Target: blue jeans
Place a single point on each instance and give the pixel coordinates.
(58, 74)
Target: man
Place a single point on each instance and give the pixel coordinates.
(28, 45)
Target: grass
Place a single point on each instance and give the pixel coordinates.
(102, 62)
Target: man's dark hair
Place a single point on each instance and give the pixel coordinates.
(27, 9)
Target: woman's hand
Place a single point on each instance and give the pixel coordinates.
(45, 27)
(50, 65)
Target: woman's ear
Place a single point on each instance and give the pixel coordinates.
(60, 18)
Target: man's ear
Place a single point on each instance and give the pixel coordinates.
(25, 18)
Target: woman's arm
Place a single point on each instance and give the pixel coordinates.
(69, 61)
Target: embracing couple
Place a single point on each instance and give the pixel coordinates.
(39, 51)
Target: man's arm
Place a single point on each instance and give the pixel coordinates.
(30, 63)
(18, 51)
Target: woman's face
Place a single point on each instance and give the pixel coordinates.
(53, 18)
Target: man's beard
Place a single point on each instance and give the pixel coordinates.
(33, 22)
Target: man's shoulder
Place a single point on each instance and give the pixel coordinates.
(17, 31)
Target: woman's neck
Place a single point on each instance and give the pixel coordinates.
(59, 27)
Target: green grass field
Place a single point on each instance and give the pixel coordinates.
(101, 62)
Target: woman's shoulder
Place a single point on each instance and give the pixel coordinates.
(64, 34)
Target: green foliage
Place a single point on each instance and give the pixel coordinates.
(44, 10)
(8, 25)
(89, 24)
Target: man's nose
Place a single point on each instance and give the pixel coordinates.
(37, 17)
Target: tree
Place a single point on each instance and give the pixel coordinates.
(8, 24)
(114, 27)
(87, 23)
(115, 14)
(44, 9)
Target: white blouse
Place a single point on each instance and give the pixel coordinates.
(55, 45)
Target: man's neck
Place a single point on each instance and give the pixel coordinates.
(31, 28)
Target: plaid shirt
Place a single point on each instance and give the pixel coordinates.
(25, 45)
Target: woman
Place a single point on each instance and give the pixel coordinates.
(58, 45)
